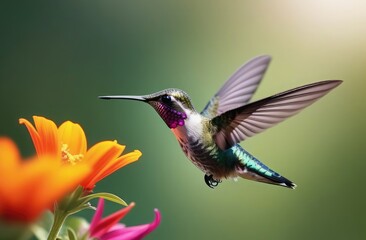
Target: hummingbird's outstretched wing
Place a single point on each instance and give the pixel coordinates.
(239, 88)
(241, 123)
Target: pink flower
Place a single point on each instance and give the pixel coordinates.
(108, 228)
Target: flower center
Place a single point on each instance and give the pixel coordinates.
(67, 156)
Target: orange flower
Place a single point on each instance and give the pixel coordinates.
(68, 144)
(27, 188)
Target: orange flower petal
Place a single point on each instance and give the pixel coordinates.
(33, 133)
(43, 182)
(68, 144)
(102, 152)
(98, 157)
(27, 188)
(44, 136)
(47, 131)
(9, 154)
(9, 160)
(73, 135)
(22, 195)
(117, 164)
(65, 179)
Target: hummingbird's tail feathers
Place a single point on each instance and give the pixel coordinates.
(284, 182)
(253, 169)
(275, 179)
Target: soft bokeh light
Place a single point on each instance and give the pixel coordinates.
(57, 57)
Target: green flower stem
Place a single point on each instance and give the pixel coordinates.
(74, 203)
(59, 219)
(64, 208)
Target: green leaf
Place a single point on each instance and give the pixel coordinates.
(77, 224)
(71, 234)
(106, 196)
(80, 208)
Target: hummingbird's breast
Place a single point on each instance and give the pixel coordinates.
(196, 141)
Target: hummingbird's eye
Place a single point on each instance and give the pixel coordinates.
(166, 99)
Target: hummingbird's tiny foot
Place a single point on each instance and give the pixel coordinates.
(211, 182)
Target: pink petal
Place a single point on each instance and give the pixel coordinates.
(97, 217)
(133, 233)
(104, 225)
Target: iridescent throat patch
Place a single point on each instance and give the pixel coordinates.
(171, 117)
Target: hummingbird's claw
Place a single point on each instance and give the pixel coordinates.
(211, 182)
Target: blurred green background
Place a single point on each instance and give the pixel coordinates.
(56, 57)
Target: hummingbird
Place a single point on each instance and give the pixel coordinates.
(210, 138)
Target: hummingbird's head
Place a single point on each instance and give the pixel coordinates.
(173, 105)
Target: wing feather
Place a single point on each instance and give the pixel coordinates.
(239, 88)
(243, 122)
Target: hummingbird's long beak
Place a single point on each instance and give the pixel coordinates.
(138, 98)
